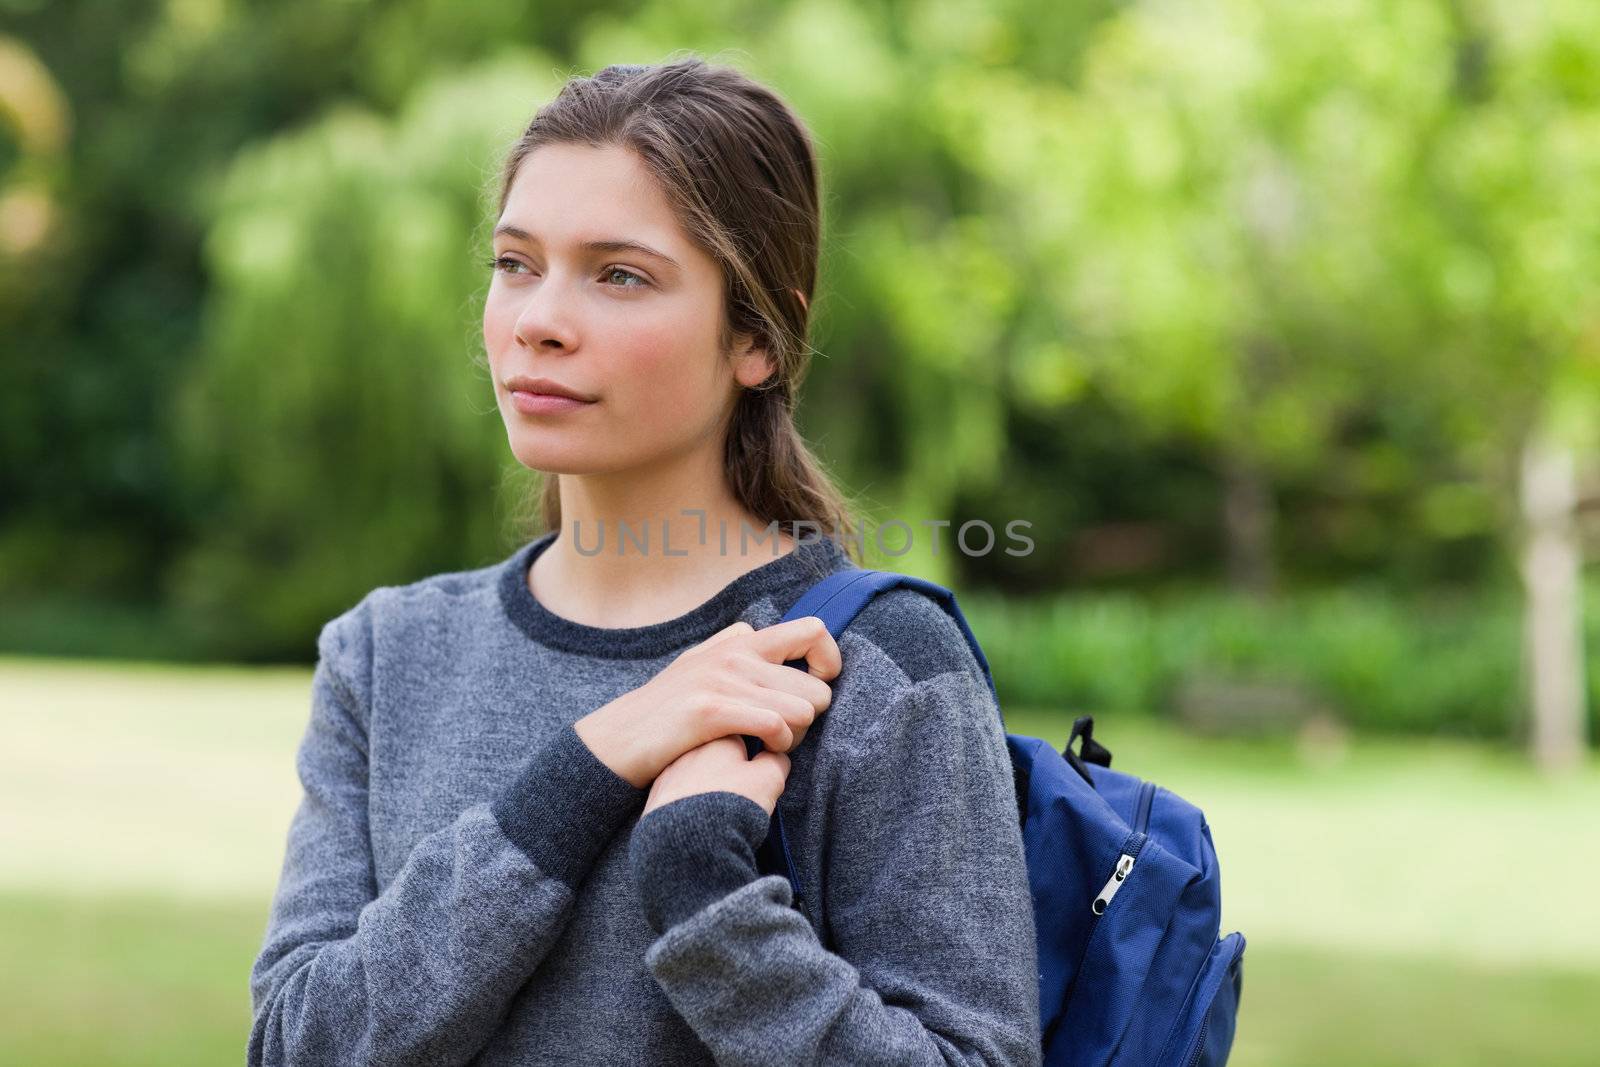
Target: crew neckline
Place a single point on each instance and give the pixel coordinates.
(810, 560)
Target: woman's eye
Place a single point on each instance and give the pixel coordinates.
(516, 266)
(612, 272)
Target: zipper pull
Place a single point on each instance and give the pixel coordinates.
(1114, 883)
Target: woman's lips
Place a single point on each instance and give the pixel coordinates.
(545, 403)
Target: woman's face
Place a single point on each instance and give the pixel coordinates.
(634, 333)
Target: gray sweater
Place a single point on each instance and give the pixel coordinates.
(465, 882)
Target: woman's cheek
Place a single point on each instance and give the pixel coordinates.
(499, 319)
(661, 383)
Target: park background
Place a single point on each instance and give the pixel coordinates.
(1277, 320)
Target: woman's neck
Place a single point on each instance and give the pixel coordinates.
(638, 548)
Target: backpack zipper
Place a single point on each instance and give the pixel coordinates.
(1135, 841)
(1199, 1047)
(1119, 875)
(1141, 819)
(1114, 883)
(1141, 807)
(1200, 1041)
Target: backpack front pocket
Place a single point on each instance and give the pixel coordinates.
(1134, 907)
(1206, 1032)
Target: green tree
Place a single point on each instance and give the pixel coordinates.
(1278, 216)
(1515, 173)
(338, 425)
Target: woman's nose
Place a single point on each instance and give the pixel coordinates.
(545, 321)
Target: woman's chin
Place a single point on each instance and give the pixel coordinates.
(556, 457)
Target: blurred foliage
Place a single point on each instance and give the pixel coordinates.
(1357, 656)
(337, 423)
(1243, 288)
(1442, 662)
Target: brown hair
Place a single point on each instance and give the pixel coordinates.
(740, 171)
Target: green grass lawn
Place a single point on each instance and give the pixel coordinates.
(1406, 902)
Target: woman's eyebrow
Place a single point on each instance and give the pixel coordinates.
(608, 244)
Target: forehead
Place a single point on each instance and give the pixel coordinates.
(562, 192)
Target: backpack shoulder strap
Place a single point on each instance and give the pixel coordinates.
(840, 597)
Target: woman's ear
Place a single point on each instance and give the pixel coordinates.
(751, 362)
(752, 365)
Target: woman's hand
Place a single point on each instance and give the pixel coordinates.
(721, 765)
(733, 683)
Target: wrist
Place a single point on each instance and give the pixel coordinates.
(617, 749)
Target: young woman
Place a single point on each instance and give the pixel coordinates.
(529, 826)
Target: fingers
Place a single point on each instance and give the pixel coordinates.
(770, 773)
(799, 684)
(797, 711)
(769, 762)
(731, 630)
(770, 726)
(739, 684)
(803, 638)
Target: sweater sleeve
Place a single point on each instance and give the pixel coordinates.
(925, 894)
(422, 973)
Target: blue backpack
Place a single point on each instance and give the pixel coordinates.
(1126, 897)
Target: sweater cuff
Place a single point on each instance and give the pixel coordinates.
(564, 805)
(693, 851)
